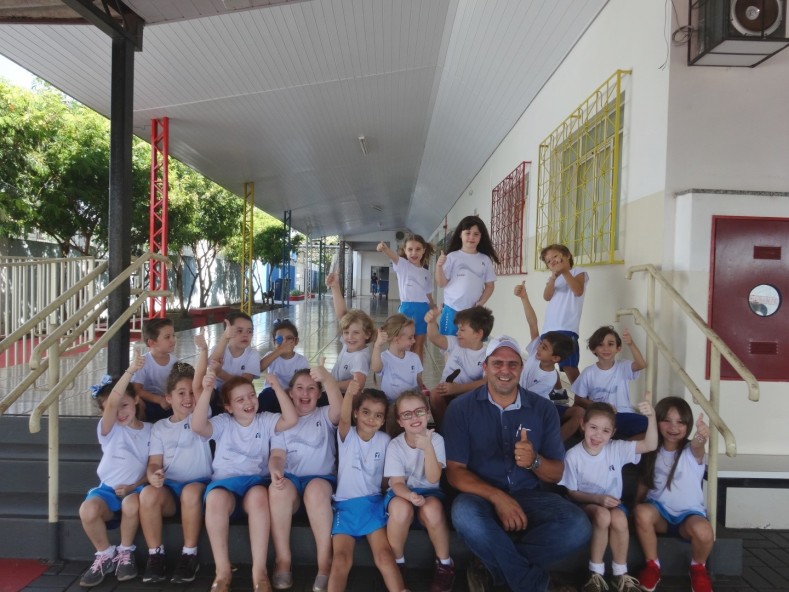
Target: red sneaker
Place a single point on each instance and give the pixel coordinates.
(700, 579)
(443, 577)
(650, 576)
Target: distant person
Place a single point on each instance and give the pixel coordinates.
(374, 285)
(466, 272)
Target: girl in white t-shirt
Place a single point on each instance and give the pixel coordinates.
(358, 502)
(124, 443)
(671, 486)
(305, 457)
(356, 326)
(415, 283)
(398, 369)
(240, 469)
(564, 292)
(593, 478)
(466, 272)
(414, 461)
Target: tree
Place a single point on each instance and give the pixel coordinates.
(268, 246)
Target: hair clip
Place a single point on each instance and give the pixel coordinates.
(96, 388)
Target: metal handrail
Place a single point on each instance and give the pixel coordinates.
(718, 349)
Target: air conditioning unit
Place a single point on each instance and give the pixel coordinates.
(739, 33)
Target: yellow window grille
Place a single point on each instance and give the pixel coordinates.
(578, 178)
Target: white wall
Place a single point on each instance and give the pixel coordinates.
(365, 259)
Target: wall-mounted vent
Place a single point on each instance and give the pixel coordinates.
(763, 348)
(760, 252)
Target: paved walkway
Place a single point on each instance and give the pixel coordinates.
(766, 560)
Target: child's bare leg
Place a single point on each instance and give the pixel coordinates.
(256, 505)
(192, 512)
(342, 560)
(438, 406)
(155, 504)
(130, 519)
(401, 514)
(419, 346)
(94, 515)
(619, 536)
(648, 524)
(283, 502)
(432, 517)
(572, 374)
(699, 531)
(219, 505)
(571, 422)
(317, 501)
(600, 518)
(385, 560)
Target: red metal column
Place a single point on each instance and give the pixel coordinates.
(157, 274)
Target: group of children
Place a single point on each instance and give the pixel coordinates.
(321, 440)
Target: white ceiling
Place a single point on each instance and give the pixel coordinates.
(278, 93)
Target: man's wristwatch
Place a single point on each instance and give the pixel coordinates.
(536, 464)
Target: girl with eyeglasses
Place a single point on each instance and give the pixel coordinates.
(414, 461)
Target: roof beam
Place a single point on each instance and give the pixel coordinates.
(129, 27)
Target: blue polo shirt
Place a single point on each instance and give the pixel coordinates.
(482, 436)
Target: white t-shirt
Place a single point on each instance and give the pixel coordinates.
(467, 274)
(247, 363)
(361, 466)
(350, 362)
(310, 445)
(563, 312)
(608, 386)
(599, 474)
(399, 374)
(414, 282)
(152, 376)
(404, 461)
(242, 451)
(469, 361)
(534, 378)
(686, 493)
(124, 454)
(285, 369)
(186, 454)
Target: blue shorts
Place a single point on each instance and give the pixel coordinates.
(176, 489)
(359, 516)
(630, 424)
(574, 358)
(106, 493)
(423, 491)
(416, 311)
(238, 486)
(300, 483)
(674, 522)
(446, 322)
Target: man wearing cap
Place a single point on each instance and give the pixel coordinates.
(501, 442)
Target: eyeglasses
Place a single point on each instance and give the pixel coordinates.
(419, 412)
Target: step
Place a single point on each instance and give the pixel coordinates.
(21, 475)
(753, 491)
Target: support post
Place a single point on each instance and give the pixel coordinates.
(286, 250)
(247, 246)
(53, 445)
(157, 270)
(119, 226)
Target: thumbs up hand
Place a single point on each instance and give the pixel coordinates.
(520, 290)
(645, 406)
(442, 258)
(319, 372)
(702, 429)
(524, 451)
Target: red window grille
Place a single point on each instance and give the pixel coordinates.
(506, 220)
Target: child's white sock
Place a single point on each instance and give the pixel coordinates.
(598, 568)
(155, 550)
(108, 551)
(400, 560)
(694, 562)
(447, 561)
(130, 548)
(189, 551)
(619, 569)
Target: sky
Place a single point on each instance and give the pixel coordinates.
(14, 74)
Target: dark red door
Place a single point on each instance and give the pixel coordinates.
(750, 283)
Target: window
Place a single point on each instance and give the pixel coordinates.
(579, 178)
(506, 220)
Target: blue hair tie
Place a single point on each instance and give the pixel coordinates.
(96, 388)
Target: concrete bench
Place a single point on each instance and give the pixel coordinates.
(753, 491)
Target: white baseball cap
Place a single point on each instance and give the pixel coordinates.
(503, 341)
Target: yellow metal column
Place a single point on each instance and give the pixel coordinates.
(247, 240)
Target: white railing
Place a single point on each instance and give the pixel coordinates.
(710, 405)
(57, 335)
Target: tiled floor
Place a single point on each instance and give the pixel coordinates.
(766, 552)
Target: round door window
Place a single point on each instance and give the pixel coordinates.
(764, 300)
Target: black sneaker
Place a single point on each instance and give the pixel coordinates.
(102, 565)
(186, 569)
(559, 397)
(478, 577)
(125, 565)
(155, 570)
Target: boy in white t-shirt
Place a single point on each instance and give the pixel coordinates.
(607, 380)
(150, 380)
(234, 354)
(539, 373)
(465, 353)
(283, 361)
